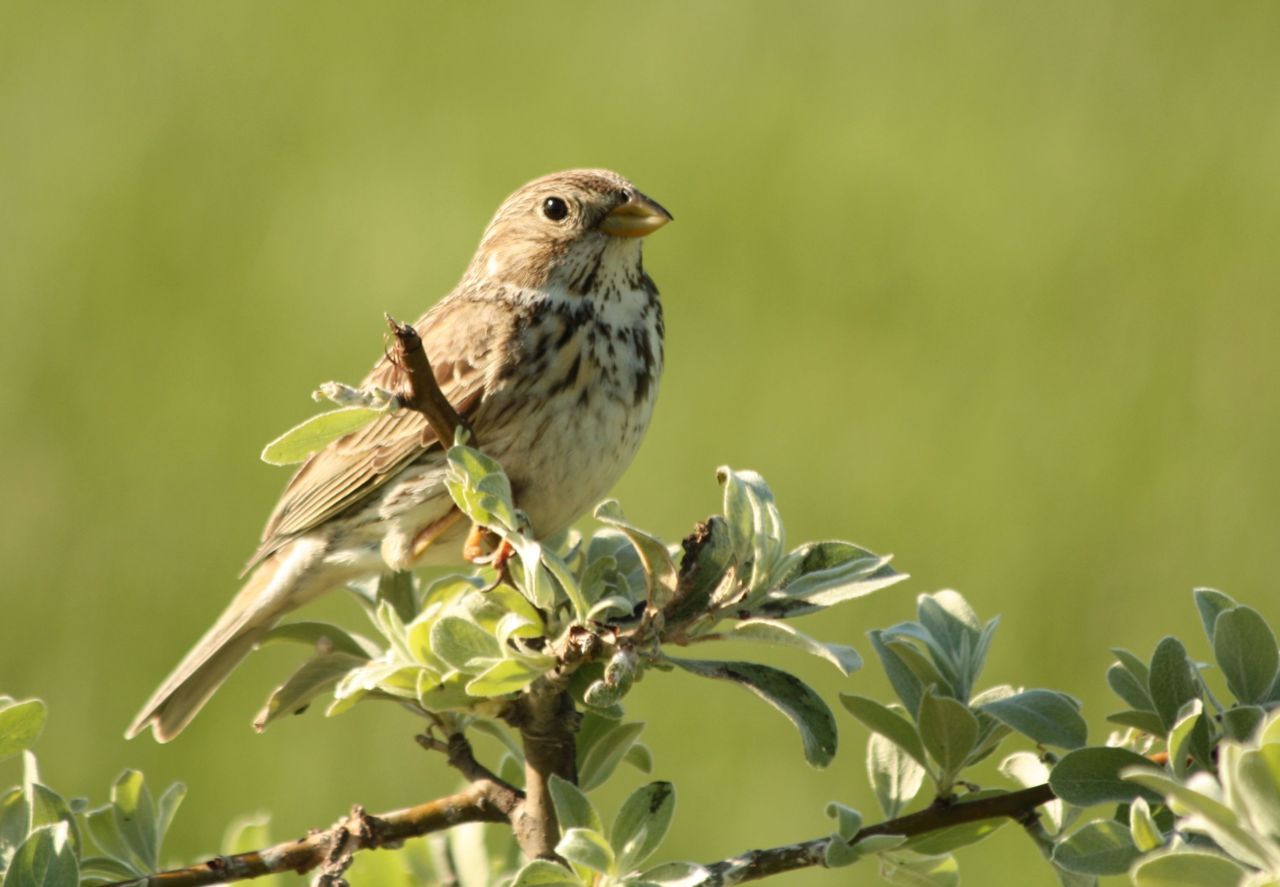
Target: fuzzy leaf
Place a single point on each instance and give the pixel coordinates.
(587, 848)
(770, 631)
(573, 808)
(949, 732)
(45, 859)
(1173, 681)
(20, 725)
(1188, 868)
(895, 776)
(1246, 652)
(603, 756)
(315, 676)
(887, 722)
(1102, 847)
(1090, 776)
(642, 823)
(316, 433)
(1043, 716)
(544, 873)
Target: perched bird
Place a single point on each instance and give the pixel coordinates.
(550, 347)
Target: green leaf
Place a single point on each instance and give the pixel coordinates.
(316, 433)
(887, 722)
(1090, 776)
(770, 631)
(640, 757)
(323, 637)
(1129, 688)
(953, 838)
(1188, 868)
(20, 725)
(848, 820)
(785, 692)
(642, 823)
(101, 824)
(676, 874)
(823, 574)
(1210, 603)
(98, 870)
(135, 815)
(1026, 769)
(480, 488)
(46, 807)
(1146, 721)
(1246, 652)
(904, 867)
(895, 775)
(1147, 836)
(753, 517)
(949, 732)
(573, 808)
(506, 676)
(1132, 664)
(1257, 785)
(950, 620)
(659, 568)
(315, 676)
(1173, 681)
(397, 589)
(460, 643)
(45, 859)
(603, 756)
(1179, 741)
(1043, 716)
(589, 849)
(1102, 847)
(1239, 723)
(544, 873)
(904, 681)
(167, 808)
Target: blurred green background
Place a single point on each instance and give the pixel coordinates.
(991, 286)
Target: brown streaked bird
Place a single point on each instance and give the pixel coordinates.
(550, 346)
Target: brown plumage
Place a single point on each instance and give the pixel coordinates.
(550, 346)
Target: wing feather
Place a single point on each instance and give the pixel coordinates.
(353, 467)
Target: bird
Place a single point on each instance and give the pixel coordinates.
(551, 349)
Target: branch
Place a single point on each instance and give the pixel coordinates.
(332, 848)
(547, 720)
(422, 392)
(757, 864)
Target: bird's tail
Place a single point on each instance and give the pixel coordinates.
(275, 586)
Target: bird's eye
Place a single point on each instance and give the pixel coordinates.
(555, 209)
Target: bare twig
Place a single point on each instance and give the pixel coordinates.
(422, 393)
(460, 756)
(332, 848)
(757, 864)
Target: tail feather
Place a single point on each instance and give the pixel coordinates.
(274, 588)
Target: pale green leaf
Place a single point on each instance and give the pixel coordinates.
(45, 859)
(135, 814)
(573, 808)
(1209, 603)
(315, 676)
(1102, 847)
(1142, 827)
(544, 873)
(603, 756)
(1246, 652)
(323, 637)
(460, 643)
(1188, 868)
(660, 569)
(895, 775)
(887, 722)
(642, 823)
(1090, 776)
(770, 631)
(948, 731)
(1173, 682)
(587, 848)
(316, 433)
(20, 725)
(848, 821)
(1043, 716)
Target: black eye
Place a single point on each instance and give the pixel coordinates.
(555, 209)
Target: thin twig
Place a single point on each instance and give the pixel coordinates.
(422, 392)
(757, 864)
(478, 802)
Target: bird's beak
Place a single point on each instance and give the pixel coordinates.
(635, 218)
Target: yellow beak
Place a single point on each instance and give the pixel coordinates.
(635, 218)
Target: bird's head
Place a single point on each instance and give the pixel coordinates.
(555, 229)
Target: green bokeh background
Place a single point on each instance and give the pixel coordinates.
(990, 286)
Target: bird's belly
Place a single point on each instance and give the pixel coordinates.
(565, 462)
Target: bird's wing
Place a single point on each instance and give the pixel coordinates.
(352, 467)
